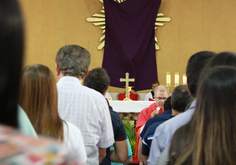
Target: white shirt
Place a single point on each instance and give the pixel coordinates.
(74, 140)
(88, 110)
(147, 96)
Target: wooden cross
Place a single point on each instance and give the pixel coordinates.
(127, 80)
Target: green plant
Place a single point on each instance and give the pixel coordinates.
(130, 133)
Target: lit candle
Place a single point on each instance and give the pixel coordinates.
(184, 79)
(168, 79)
(176, 79)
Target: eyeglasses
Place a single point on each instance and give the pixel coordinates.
(160, 98)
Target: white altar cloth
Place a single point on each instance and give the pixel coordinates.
(130, 106)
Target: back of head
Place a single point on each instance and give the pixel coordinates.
(223, 58)
(216, 95)
(38, 97)
(167, 104)
(195, 65)
(11, 56)
(180, 98)
(98, 80)
(215, 109)
(73, 60)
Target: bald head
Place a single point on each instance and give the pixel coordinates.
(161, 94)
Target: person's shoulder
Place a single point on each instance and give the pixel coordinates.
(152, 106)
(114, 114)
(72, 127)
(92, 94)
(117, 121)
(153, 127)
(177, 121)
(151, 120)
(148, 95)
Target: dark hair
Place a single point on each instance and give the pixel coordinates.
(73, 60)
(155, 82)
(195, 65)
(11, 57)
(167, 104)
(38, 97)
(223, 58)
(212, 131)
(180, 98)
(98, 80)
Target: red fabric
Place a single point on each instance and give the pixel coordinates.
(161, 111)
(132, 96)
(151, 99)
(144, 115)
(136, 147)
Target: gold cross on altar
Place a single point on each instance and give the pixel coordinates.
(127, 80)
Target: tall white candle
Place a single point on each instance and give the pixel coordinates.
(176, 79)
(168, 79)
(184, 79)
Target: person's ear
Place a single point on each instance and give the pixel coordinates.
(104, 93)
(57, 70)
(187, 85)
(85, 74)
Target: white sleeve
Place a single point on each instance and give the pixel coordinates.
(107, 137)
(147, 96)
(75, 143)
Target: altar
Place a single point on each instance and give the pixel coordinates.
(129, 106)
(129, 110)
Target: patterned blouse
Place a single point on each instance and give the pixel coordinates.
(18, 149)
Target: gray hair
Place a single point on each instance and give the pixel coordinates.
(73, 60)
(161, 88)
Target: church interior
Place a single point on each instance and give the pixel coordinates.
(187, 27)
(194, 26)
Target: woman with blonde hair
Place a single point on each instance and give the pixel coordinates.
(38, 97)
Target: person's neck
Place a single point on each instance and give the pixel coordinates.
(174, 112)
(61, 75)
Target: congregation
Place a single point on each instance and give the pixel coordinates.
(70, 122)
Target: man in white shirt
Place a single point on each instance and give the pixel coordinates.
(150, 95)
(82, 106)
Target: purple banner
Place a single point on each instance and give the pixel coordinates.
(129, 42)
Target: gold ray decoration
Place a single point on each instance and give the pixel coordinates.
(99, 20)
(103, 37)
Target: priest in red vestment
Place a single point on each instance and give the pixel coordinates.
(160, 95)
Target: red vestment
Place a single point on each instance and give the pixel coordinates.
(143, 117)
